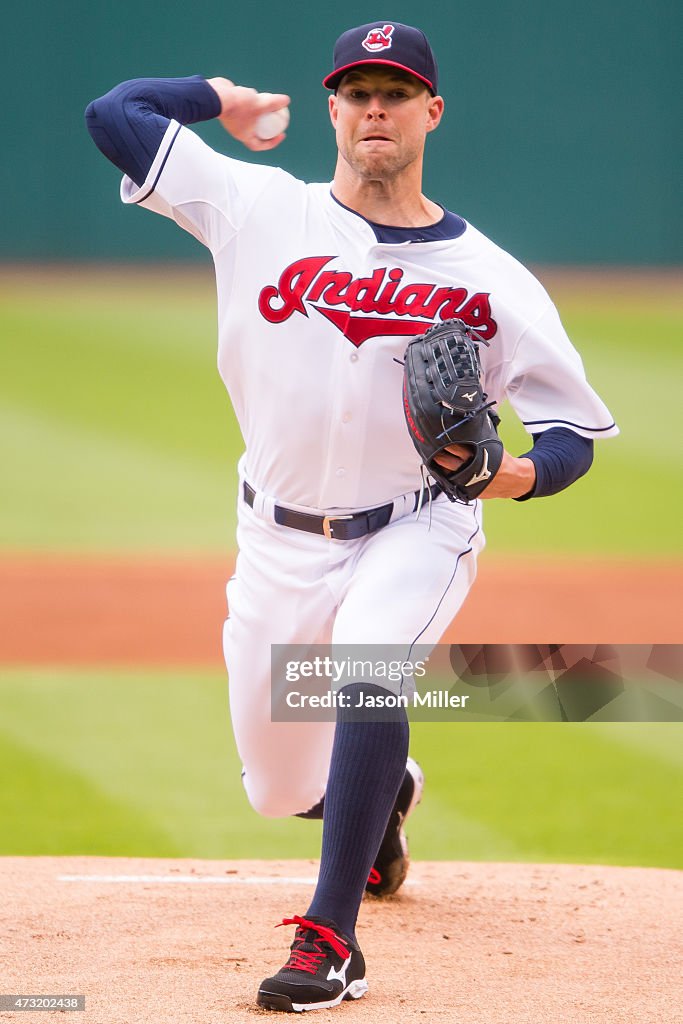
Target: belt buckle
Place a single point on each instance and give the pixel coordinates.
(327, 524)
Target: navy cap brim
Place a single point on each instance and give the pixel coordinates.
(332, 80)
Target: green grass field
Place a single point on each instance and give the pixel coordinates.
(117, 436)
(143, 764)
(121, 436)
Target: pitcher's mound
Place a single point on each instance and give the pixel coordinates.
(160, 941)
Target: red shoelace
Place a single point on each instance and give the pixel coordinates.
(310, 960)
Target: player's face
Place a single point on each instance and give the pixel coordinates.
(382, 117)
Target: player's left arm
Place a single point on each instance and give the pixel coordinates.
(515, 478)
(558, 458)
(546, 386)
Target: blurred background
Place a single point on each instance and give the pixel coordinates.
(119, 445)
(559, 139)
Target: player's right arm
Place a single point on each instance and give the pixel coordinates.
(128, 123)
(140, 126)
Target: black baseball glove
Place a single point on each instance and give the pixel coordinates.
(444, 404)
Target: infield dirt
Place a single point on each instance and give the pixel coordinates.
(77, 610)
(468, 943)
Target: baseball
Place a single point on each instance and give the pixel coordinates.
(270, 125)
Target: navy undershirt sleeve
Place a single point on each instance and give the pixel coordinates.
(128, 123)
(560, 457)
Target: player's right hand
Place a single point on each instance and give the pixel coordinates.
(241, 108)
(453, 457)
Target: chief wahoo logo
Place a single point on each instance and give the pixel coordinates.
(378, 39)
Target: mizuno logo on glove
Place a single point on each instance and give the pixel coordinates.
(485, 473)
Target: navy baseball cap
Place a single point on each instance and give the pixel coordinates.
(384, 42)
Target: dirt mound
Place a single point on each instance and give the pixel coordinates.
(177, 940)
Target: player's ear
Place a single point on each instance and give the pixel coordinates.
(435, 108)
(333, 108)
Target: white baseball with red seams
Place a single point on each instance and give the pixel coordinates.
(314, 316)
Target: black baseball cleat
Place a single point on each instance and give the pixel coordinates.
(324, 968)
(389, 871)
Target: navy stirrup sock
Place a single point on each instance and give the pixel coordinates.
(366, 771)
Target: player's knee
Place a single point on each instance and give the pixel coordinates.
(270, 805)
(274, 801)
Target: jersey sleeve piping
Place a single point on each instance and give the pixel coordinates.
(139, 195)
(610, 431)
(163, 164)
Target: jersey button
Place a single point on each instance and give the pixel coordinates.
(341, 471)
(346, 418)
(354, 357)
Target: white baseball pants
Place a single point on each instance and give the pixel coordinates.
(401, 585)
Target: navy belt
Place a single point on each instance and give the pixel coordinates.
(350, 527)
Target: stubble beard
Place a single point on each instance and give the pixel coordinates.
(381, 167)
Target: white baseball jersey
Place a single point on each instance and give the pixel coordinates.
(315, 314)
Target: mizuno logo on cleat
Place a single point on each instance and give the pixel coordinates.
(485, 472)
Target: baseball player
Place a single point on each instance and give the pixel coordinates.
(320, 288)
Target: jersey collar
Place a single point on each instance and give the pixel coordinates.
(449, 227)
